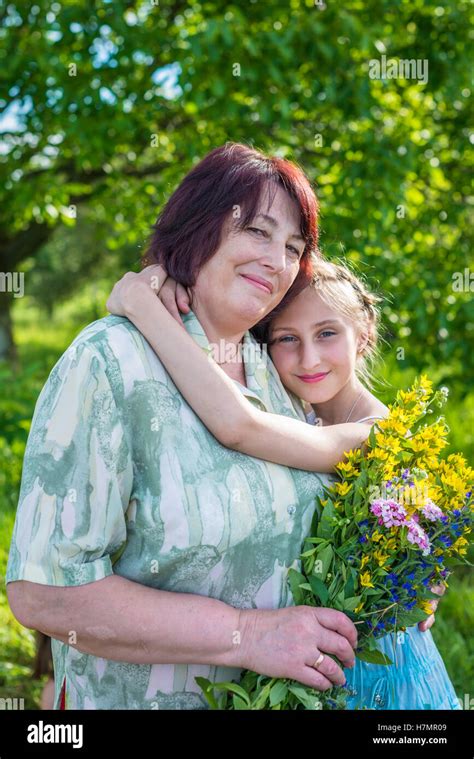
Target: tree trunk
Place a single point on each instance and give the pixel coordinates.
(7, 346)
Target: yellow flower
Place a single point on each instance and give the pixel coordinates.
(426, 606)
(378, 453)
(425, 384)
(407, 397)
(342, 488)
(359, 608)
(364, 561)
(365, 580)
(459, 545)
(347, 469)
(380, 557)
(376, 536)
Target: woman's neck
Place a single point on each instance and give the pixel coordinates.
(226, 344)
(349, 404)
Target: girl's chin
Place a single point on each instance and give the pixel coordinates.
(313, 394)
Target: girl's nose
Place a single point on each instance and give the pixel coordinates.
(309, 358)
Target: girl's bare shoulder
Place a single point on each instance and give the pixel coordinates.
(373, 409)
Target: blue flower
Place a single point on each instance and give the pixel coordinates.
(363, 539)
(409, 604)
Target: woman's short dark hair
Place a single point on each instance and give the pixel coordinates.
(188, 230)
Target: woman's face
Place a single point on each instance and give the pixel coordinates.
(252, 269)
(313, 347)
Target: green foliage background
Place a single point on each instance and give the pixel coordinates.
(105, 106)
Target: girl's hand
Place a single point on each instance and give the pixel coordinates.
(175, 298)
(131, 290)
(429, 622)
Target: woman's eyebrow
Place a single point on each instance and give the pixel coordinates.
(273, 223)
(316, 324)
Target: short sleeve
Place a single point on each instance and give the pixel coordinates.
(77, 478)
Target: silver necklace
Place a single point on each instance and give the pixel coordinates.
(354, 405)
(350, 412)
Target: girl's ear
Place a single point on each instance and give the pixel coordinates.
(362, 342)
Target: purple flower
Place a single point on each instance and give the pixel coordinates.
(431, 511)
(390, 513)
(417, 536)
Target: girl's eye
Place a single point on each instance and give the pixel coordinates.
(286, 338)
(327, 333)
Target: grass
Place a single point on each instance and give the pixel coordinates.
(40, 343)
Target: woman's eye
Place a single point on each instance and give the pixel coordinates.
(327, 333)
(255, 229)
(294, 250)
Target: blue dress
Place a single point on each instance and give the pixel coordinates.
(416, 679)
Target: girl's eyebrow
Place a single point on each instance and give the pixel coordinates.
(316, 324)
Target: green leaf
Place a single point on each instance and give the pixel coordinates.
(325, 556)
(278, 692)
(351, 603)
(207, 687)
(374, 657)
(319, 589)
(296, 579)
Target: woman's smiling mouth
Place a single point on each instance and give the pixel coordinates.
(262, 284)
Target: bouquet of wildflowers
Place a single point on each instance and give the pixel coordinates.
(395, 524)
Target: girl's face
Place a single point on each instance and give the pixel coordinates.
(314, 348)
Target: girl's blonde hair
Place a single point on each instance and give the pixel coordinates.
(347, 293)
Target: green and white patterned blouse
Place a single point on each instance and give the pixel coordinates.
(121, 477)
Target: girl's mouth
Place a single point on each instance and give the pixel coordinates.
(312, 377)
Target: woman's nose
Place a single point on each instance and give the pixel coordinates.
(276, 257)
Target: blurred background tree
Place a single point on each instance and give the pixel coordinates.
(105, 106)
(111, 103)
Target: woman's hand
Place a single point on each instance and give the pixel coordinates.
(287, 642)
(429, 622)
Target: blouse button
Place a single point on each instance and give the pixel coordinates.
(291, 510)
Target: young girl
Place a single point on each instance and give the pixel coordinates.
(321, 345)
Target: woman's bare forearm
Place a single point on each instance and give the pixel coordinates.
(231, 418)
(121, 620)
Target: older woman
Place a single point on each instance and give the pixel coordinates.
(148, 551)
